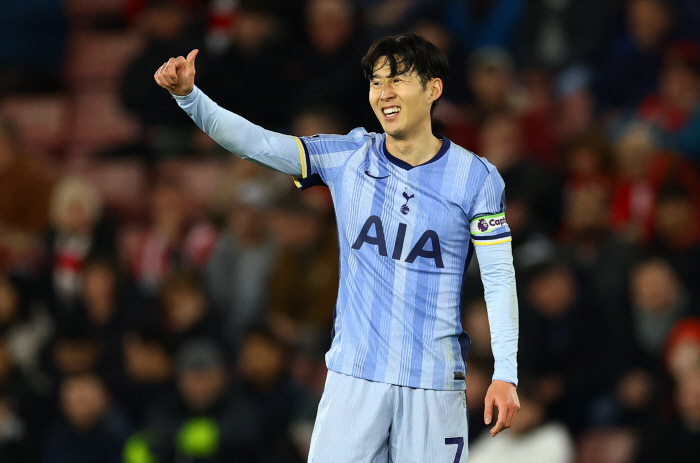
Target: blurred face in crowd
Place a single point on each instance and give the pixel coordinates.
(202, 388)
(164, 22)
(633, 152)
(674, 224)
(169, 210)
(248, 224)
(680, 86)
(184, 307)
(684, 359)
(648, 22)
(9, 300)
(553, 292)
(330, 24)
(654, 287)
(586, 210)
(75, 355)
(84, 401)
(253, 29)
(99, 286)
(491, 86)
(687, 398)
(575, 113)
(260, 361)
(501, 141)
(146, 361)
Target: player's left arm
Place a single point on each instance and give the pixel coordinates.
(492, 241)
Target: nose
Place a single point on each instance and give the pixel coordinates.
(387, 94)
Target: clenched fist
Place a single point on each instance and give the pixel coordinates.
(177, 75)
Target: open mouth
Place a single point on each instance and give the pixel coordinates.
(391, 112)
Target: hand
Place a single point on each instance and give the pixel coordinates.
(505, 397)
(177, 75)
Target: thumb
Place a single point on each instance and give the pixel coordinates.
(488, 409)
(192, 56)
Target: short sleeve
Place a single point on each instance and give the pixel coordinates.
(323, 156)
(488, 216)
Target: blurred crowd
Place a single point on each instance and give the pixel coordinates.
(164, 301)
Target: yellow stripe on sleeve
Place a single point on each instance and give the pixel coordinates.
(481, 243)
(303, 160)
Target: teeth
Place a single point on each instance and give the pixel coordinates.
(392, 110)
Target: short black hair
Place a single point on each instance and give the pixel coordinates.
(406, 53)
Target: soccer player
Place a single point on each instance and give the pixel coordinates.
(411, 207)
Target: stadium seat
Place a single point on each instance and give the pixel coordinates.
(96, 60)
(41, 121)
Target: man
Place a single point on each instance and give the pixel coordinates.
(410, 205)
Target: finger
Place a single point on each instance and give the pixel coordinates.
(500, 425)
(160, 69)
(163, 83)
(170, 73)
(510, 415)
(191, 56)
(488, 410)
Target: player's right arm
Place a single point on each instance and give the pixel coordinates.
(283, 153)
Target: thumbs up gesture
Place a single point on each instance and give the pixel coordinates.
(177, 75)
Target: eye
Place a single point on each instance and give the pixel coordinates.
(374, 84)
(397, 80)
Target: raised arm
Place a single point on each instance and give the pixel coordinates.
(280, 152)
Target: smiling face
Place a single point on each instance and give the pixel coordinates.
(402, 102)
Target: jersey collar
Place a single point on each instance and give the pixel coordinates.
(406, 166)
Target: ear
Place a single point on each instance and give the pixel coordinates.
(435, 87)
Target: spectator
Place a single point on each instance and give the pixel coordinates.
(676, 439)
(576, 105)
(90, 429)
(682, 352)
(677, 236)
(642, 172)
(258, 43)
(327, 63)
(304, 281)
(239, 271)
(185, 311)
(25, 190)
(563, 33)
(281, 405)
(483, 23)
(555, 346)
(78, 232)
(148, 373)
(658, 300)
(171, 241)
(539, 190)
(204, 421)
(165, 26)
(632, 66)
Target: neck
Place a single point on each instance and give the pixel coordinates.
(415, 150)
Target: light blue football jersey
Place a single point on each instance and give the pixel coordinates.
(406, 237)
